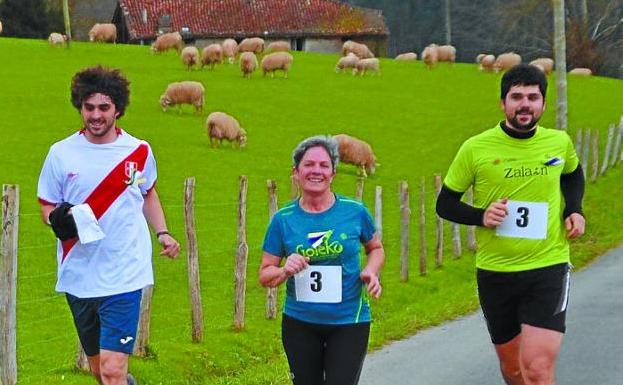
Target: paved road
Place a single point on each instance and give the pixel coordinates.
(459, 352)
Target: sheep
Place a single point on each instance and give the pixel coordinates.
(348, 61)
(186, 92)
(408, 56)
(222, 126)
(167, 41)
(190, 56)
(103, 32)
(430, 56)
(479, 57)
(581, 72)
(56, 38)
(252, 44)
(278, 46)
(364, 65)
(361, 50)
(0, 27)
(486, 63)
(230, 50)
(212, 55)
(545, 64)
(248, 64)
(277, 61)
(357, 152)
(506, 61)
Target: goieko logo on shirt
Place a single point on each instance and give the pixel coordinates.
(320, 246)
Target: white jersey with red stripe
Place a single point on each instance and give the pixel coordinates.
(112, 178)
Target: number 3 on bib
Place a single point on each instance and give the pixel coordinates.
(525, 220)
(321, 284)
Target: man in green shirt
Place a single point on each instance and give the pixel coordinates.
(528, 187)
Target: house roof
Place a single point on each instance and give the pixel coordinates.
(241, 18)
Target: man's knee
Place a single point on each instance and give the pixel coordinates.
(511, 373)
(112, 370)
(539, 370)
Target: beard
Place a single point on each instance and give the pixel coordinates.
(524, 127)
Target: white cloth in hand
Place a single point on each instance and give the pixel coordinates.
(86, 223)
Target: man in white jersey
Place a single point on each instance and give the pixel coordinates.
(97, 191)
(528, 188)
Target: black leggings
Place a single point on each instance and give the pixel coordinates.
(324, 354)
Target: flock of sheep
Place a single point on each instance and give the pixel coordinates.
(356, 57)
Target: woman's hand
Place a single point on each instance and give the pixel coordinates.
(373, 282)
(295, 263)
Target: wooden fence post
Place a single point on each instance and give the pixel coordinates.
(142, 334)
(617, 145)
(471, 230)
(585, 152)
(578, 143)
(378, 211)
(609, 143)
(423, 270)
(82, 362)
(405, 217)
(359, 189)
(439, 249)
(8, 285)
(242, 254)
(194, 279)
(595, 155)
(271, 292)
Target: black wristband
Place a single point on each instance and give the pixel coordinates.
(159, 233)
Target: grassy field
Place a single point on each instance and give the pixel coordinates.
(414, 118)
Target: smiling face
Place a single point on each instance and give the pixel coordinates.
(99, 115)
(523, 107)
(315, 171)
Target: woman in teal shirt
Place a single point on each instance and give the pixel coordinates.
(326, 317)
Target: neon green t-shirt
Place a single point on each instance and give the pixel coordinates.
(527, 172)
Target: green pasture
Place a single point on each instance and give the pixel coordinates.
(414, 118)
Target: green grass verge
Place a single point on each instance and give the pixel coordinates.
(414, 118)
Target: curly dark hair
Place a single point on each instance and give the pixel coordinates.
(98, 79)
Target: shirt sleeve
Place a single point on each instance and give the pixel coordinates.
(273, 239)
(461, 172)
(50, 186)
(150, 173)
(571, 158)
(368, 227)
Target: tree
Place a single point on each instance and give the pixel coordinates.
(29, 18)
(560, 55)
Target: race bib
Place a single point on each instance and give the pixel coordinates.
(524, 220)
(321, 284)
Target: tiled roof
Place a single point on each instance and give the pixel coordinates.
(240, 18)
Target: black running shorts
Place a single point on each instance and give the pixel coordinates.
(533, 297)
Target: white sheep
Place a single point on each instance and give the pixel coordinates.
(230, 50)
(581, 72)
(357, 152)
(252, 44)
(248, 64)
(361, 50)
(168, 41)
(222, 126)
(430, 56)
(276, 61)
(348, 61)
(479, 57)
(278, 46)
(56, 38)
(0, 27)
(506, 61)
(407, 56)
(190, 56)
(103, 32)
(486, 63)
(186, 92)
(365, 65)
(545, 64)
(211, 55)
